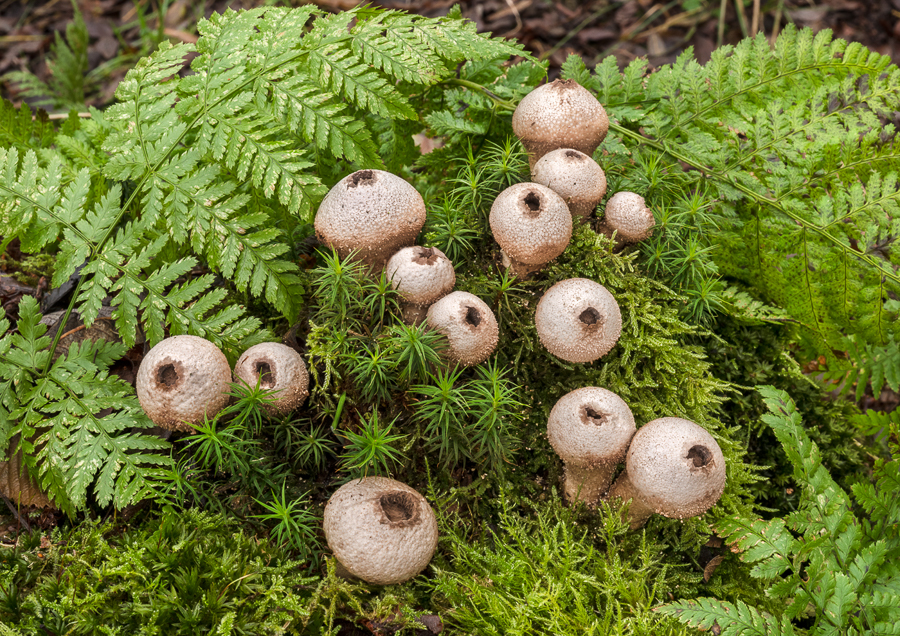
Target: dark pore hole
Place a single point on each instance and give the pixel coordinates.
(595, 417)
(701, 455)
(398, 506)
(425, 256)
(473, 316)
(533, 201)
(167, 375)
(363, 177)
(265, 375)
(589, 316)
(573, 154)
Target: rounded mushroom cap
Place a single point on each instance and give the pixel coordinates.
(278, 368)
(561, 114)
(181, 379)
(468, 323)
(628, 214)
(574, 176)
(590, 427)
(380, 529)
(372, 211)
(531, 223)
(578, 320)
(421, 275)
(677, 467)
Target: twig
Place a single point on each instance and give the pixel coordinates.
(578, 29)
(515, 12)
(775, 28)
(15, 512)
(723, 5)
(754, 25)
(742, 16)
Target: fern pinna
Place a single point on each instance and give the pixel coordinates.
(829, 561)
(793, 145)
(186, 179)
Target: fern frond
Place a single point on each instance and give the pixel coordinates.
(62, 435)
(794, 141)
(23, 128)
(768, 544)
(729, 619)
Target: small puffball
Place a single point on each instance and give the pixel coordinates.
(277, 368)
(531, 224)
(421, 275)
(181, 380)
(380, 530)
(628, 215)
(578, 320)
(373, 212)
(469, 324)
(561, 114)
(575, 177)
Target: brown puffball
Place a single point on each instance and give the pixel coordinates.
(469, 324)
(277, 368)
(628, 216)
(372, 212)
(380, 530)
(590, 428)
(674, 468)
(561, 114)
(575, 177)
(532, 225)
(422, 276)
(578, 320)
(182, 379)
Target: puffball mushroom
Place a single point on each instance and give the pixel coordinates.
(422, 275)
(532, 224)
(575, 177)
(182, 379)
(469, 324)
(578, 320)
(628, 215)
(277, 368)
(590, 428)
(561, 114)
(380, 530)
(373, 212)
(674, 467)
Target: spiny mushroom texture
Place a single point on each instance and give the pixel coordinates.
(578, 320)
(469, 324)
(590, 428)
(421, 275)
(531, 224)
(575, 177)
(277, 368)
(380, 530)
(182, 379)
(373, 212)
(627, 214)
(561, 114)
(674, 468)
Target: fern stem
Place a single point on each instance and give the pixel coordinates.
(498, 101)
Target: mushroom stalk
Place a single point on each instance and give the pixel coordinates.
(624, 490)
(587, 484)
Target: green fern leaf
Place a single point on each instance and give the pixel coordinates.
(732, 619)
(766, 543)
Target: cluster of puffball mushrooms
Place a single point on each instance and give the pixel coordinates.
(381, 530)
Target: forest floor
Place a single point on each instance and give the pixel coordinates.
(122, 31)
